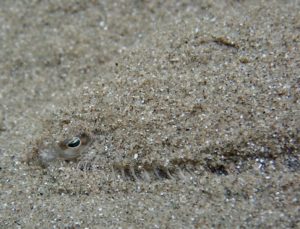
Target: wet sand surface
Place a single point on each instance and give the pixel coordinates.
(193, 107)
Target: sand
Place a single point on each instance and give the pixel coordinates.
(225, 76)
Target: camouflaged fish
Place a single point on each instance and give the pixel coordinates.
(164, 119)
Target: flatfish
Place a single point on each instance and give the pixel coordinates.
(156, 118)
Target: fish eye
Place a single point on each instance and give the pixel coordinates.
(74, 142)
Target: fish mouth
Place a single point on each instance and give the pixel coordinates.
(48, 154)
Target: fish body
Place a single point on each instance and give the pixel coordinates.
(160, 117)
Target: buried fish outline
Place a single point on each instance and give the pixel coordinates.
(153, 128)
(151, 114)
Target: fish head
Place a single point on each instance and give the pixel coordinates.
(61, 140)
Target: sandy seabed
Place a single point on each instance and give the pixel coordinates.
(194, 107)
